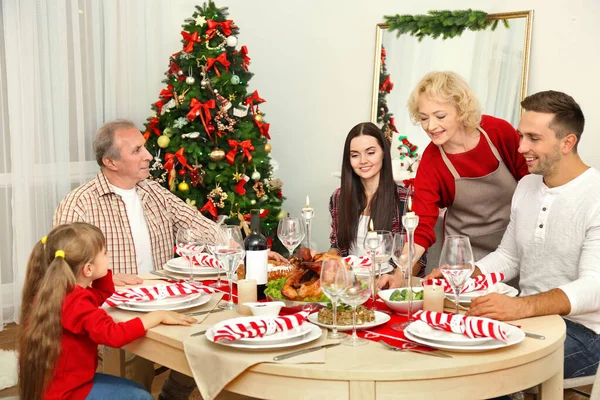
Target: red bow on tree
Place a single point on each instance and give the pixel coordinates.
(383, 55)
(167, 92)
(226, 27)
(174, 69)
(387, 85)
(254, 98)
(263, 213)
(190, 39)
(170, 160)
(152, 127)
(246, 150)
(222, 58)
(245, 58)
(210, 207)
(264, 129)
(393, 124)
(196, 108)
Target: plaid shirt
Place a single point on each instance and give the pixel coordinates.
(96, 203)
(403, 194)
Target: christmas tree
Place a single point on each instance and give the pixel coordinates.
(385, 117)
(208, 137)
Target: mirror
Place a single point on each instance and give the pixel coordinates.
(494, 62)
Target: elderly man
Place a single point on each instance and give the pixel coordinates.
(139, 218)
(553, 239)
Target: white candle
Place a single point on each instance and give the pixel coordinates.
(433, 298)
(372, 238)
(246, 294)
(410, 212)
(307, 212)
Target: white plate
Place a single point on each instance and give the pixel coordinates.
(424, 331)
(204, 298)
(380, 319)
(195, 271)
(184, 265)
(515, 335)
(362, 271)
(499, 287)
(314, 333)
(270, 339)
(166, 302)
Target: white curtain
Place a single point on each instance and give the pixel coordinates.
(66, 66)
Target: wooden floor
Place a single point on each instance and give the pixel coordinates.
(8, 342)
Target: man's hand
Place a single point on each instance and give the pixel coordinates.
(126, 279)
(273, 255)
(390, 281)
(497, 306)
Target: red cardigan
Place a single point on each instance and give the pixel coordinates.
(84, 327)
(434, 184)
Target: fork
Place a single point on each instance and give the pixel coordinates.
(427, 353)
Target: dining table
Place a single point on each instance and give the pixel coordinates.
(372, 371)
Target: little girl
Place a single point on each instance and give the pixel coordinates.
(67, 281)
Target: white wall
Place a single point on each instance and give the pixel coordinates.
(313, 63)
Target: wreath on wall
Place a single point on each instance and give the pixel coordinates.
(446, 23)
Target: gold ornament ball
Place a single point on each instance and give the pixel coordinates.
(268, 148)
(183, 187)
(163, 141)
(258, 117)
(217, 154)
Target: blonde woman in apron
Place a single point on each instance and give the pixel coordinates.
(470, 168)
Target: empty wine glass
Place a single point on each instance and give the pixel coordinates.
(230, 251)
(400, 257)
(355, 293)
(210, 249)
(291, 232)
(380, 243)
(333, 283)
(189, 244)
(456, 263)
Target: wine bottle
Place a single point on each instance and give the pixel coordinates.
(257, 255)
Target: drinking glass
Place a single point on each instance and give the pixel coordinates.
(356, 291)
(230, 251)
(210, 249)
(291, 232)
(456, 263)
(400, 257)
(333, 283)
(382, 248)
(189, 244)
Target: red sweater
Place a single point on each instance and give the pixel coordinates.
(84, 327)
(434, 184)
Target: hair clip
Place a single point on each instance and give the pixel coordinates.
(59, 253)
(44, 239)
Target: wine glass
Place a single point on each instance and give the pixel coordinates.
(333, 283)
(400, 257)
(355, 293)
(230, 251)
(456, 263)
(189, 244)
(210, 249)
(291, 232)
(380, 243)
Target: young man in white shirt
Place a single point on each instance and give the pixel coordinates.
(553, 239)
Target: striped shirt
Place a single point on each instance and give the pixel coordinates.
(96, 203)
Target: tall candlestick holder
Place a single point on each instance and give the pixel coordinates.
(307, 214)
(410, 221)
(372, 244)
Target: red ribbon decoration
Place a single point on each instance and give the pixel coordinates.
(262, 214)
(246, 149)
(226, 27)
(167, 92)
(383, 55)
(152, 127)
(170, 160)
(409, 182)
(393, 124)
(387, 85)
(264, 129)
(245, 58)
(174, 69)
(210, 207)
(222, 58)
(196, 109)
(191, 39)
(159, 104)
(254, 98)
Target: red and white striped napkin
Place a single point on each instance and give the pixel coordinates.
(260, 327)
(160, 291)
(200, 259)
(480, 282)
(472, 327)
(358, 262)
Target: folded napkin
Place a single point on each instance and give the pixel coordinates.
(159, 291)
(472, 327)
(358, 262)
(480, 282)
(200, 259)
(260, 327)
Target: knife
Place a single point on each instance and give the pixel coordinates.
(304, 351)
(428, 353)
(535, 336)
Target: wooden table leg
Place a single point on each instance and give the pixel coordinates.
(552, 389)
(113, 361)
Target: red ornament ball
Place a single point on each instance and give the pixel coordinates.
(279, 194)
(210, 128)
(181, 172)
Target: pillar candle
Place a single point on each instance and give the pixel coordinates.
(246, 294)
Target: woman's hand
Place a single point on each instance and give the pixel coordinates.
(391, 281)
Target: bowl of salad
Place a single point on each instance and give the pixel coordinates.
(397, 299)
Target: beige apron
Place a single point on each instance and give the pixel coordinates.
(481, 207)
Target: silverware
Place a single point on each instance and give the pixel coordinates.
(202, 332)
(192, 314)
(535, 336)
(427, 353)
(304, 351)
(162, 274)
